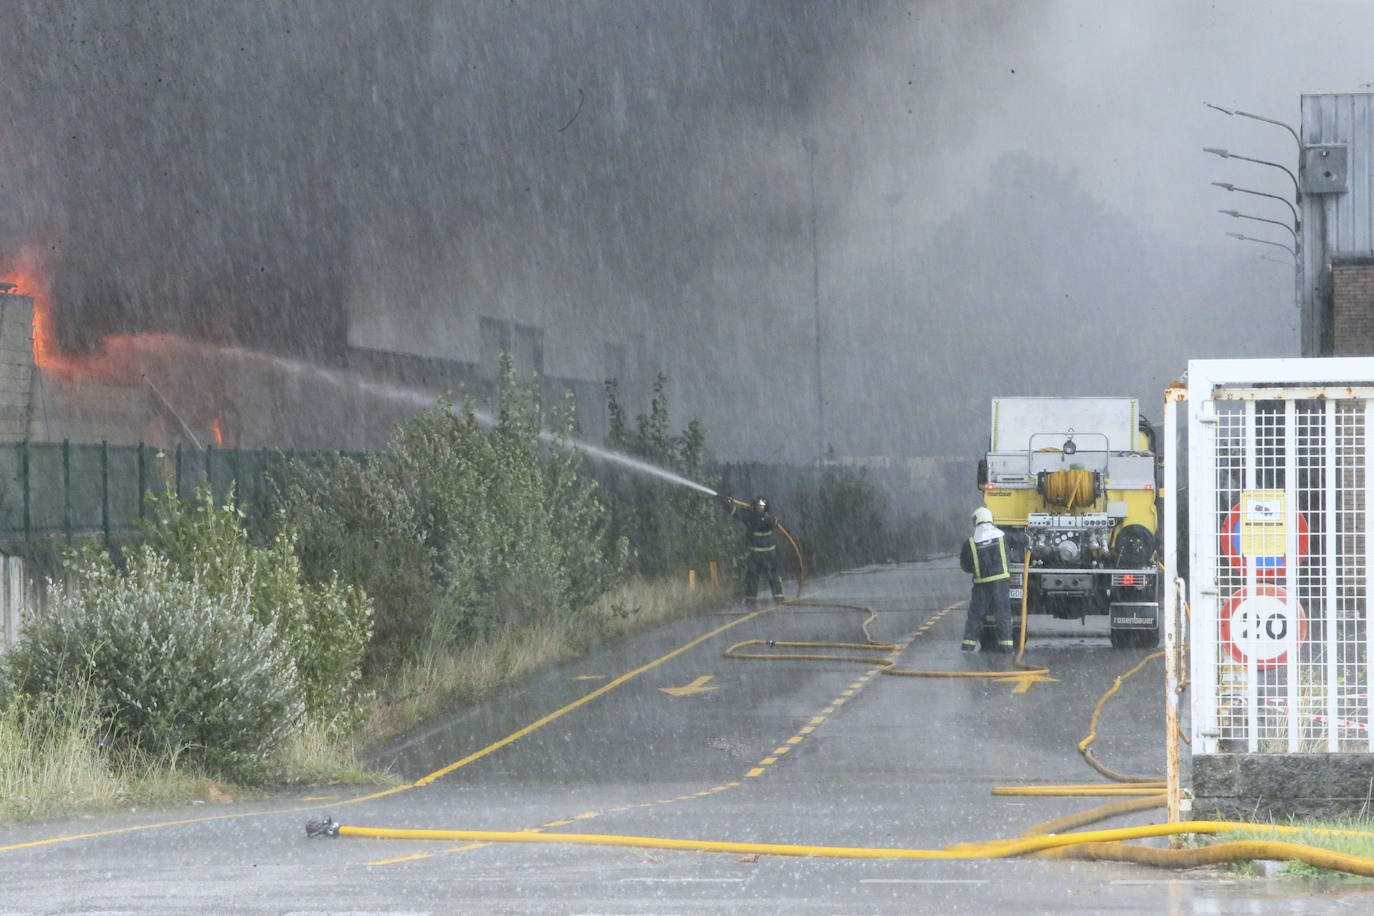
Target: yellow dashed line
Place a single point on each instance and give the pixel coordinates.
(782, 750)
(557, 823)
(817, 720)
(427, 855)
(795, 739)
(807, 729)
(754, 772)
(838, 702)
(767, 760)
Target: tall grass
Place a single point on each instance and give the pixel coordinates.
(50, 755)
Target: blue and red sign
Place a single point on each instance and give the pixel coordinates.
(1273, 562)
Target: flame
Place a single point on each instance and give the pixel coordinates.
(31, 279)
(217, 430)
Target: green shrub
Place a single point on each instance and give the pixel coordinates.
(671, 528)
(459, 528)
(844, 521)
(324, 628)
(179, 667)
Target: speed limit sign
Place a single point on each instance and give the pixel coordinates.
(1258, 625)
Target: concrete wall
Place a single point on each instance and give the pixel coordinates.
(1264, 787)
(16, 364)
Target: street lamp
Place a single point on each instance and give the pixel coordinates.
(1246, 114)
(1297, 220)
(1247, 238)
(1227, 154)
(1236, 214)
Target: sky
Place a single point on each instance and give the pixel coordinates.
(933, 203)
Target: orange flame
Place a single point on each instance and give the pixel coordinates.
(217, 430)
(30, 280)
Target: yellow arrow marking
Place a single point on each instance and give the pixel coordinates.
(697, 686)
(1024, 680)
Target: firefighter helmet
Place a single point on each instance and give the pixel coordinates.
(760, 504)
(982, 514)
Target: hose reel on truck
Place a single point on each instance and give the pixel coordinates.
(1078, 476)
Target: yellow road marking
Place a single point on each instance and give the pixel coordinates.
(425, 855)
(697, 686)
(754, 772)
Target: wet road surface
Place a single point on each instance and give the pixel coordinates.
(662, 736)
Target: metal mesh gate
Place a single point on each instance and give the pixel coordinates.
(1278, 555)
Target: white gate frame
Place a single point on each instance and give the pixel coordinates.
(1344, 389)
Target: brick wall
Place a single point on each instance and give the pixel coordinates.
(1352, 306)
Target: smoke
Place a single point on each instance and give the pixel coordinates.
(965, 199)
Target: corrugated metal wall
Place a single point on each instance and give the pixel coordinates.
(1336, 220)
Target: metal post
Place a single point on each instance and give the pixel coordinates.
(1171, 605)
(142, 479)
(811, 149)
(24, 473)
(67, 488)
(105, 490)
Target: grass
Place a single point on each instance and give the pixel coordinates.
(54, 759)
(1352, 835)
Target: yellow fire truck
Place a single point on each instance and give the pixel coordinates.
(1079, 477)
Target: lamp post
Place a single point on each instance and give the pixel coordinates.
(1246, 114)
(1236, 214)
(809, 144)
(1299, 286)
(1297, 220)
(1227, 154)
(1249, 238)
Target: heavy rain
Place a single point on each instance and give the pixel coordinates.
(830, 231)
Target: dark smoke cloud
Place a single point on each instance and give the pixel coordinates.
(709, 181)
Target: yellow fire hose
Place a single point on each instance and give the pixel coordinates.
(1051, 839)
(1089, 844)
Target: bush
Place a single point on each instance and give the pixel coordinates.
(323, 628)
(457, 529)
(180, 668)
(672, 528)
(845, 522)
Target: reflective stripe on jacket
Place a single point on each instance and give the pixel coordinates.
(989, 560)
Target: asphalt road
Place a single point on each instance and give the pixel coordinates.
(663, 738)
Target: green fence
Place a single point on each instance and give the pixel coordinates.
(73, 491)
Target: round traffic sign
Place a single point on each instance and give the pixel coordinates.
(1258, 625)
(1266, 567)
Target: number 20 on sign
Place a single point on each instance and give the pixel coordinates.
(1258, 626)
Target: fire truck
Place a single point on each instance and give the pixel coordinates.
(1080, 478)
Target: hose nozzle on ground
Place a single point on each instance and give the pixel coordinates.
(326, 827)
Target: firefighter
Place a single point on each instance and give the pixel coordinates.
(761, 544)
(984, 556)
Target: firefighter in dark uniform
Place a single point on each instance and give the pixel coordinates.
(761, 545)
(984, 556)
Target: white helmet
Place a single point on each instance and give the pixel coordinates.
(982, 514)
